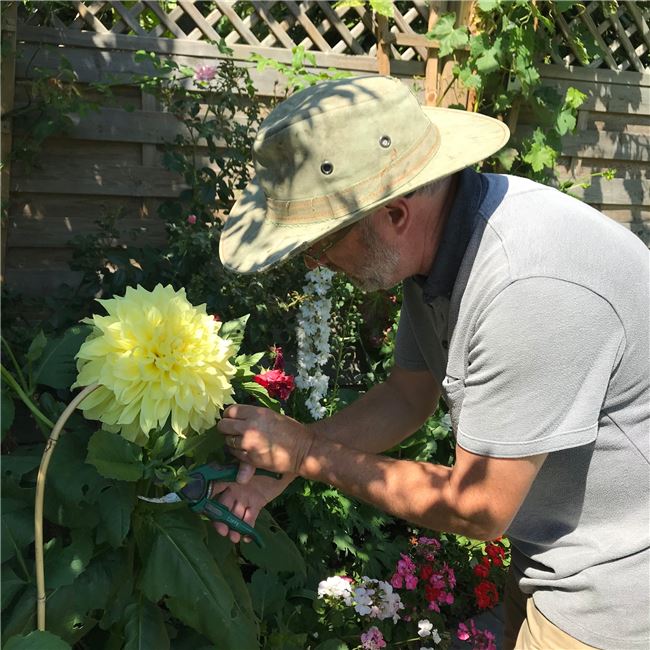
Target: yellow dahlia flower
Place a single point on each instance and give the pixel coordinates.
(154, 356)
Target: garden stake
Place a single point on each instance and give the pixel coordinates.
(38, 506)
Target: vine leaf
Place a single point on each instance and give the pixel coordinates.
(448, 36)
(115, 505)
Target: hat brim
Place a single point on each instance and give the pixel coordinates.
(251, 243)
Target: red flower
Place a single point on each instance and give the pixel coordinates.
(482, 570)
(276, 383)
(426, 572)
(496, 553)
(486, 594)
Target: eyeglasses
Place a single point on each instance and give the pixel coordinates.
(314, 254)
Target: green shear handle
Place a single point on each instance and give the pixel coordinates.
(197, 494)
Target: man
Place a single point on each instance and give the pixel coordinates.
(526, 309)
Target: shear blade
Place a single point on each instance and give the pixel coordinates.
(172, 497)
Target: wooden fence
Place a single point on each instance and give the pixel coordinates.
(112, 159)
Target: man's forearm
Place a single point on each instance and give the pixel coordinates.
(418, 492)
(384, 416)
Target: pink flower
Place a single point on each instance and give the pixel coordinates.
(276, 383)
(411, 582)
(481, 639)
(205, 73)
(373, 639)
(397, 581)
(463, 632)
(191, 219)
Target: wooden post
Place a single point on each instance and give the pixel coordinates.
(383, 45)
(465, 17)
(431, 66)
(8, 17)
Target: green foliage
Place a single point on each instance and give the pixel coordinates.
(501, 64)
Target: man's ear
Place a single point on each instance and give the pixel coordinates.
(399, 214)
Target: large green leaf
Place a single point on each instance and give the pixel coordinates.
(115, 457)
(179, 568)
(11, 585)
(115, 505)
(21, 617)
(63, 565)
(22, 461)
(267, 592)
(448, 35)
(279, 552)
(56, 366)
(73, 486)
(17, 527)
(145, 627)
(37, 641)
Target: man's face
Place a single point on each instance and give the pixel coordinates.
(363, 256)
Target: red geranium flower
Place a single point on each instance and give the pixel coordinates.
(482, 570)
(486, 594)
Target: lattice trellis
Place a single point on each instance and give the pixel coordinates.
(622, 37)
(621, 34)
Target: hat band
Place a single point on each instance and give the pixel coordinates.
(361, 194)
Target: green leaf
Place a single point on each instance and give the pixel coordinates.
(7, 413)
(115, 457)
(267, 592)
(145, 627)
(115, 505)
(565, 122)
(11, 585)
(488, 5)
(178, 568)
(333, 644)
(233, 330)
(17, 529)
(449, 37)
(540, 155)
(57, 367)
(507, 157)
(37, 641)
(64, 565)
(574, 98)
(383, 7)
(261, 395)
(36, 347)
(279, 552)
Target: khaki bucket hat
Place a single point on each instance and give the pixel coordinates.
(333, 153)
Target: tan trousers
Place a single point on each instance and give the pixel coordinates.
(526, 628)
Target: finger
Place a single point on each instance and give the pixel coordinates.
(240, 411)
(230, 426)
(245, 473)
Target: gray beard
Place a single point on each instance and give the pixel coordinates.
(381, 262)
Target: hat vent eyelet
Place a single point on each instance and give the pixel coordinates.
(326, 167)
(384, 141)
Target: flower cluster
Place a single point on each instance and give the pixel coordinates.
(486, 592)
(313, 333)
(205, 73)
(277, 383)
(155, 357)
(437, 577)
(480, 639)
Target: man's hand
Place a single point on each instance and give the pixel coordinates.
(263, 438)
(246, 501)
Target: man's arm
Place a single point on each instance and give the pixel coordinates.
(387, 414)
(478, 497)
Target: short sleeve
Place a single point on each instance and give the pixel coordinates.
(539, 364)
(407, 351)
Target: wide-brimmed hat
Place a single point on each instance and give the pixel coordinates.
(333, 153)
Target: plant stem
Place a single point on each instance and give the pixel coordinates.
(15, 363)
(6, 375)
(40, 497)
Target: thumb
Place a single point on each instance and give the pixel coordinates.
(246, 473)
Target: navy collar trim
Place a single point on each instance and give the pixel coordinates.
(461, 223)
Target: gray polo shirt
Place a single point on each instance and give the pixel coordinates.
(535, 321)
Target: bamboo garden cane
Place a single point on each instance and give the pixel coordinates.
(40, 495)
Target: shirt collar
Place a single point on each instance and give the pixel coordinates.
(461, 222)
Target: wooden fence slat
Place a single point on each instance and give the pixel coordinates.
(300, 12)
(165, 19)
(176, 13)
(264, 11)
(128, 17)
(340, 27)
(641, 24)
(210, 19)
(90, 19)
(227, 10)
(627, 46)
(618, 191)
(604, 48)
(189, 8)
(94, 8)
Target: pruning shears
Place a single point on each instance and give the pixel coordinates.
(197, 494)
